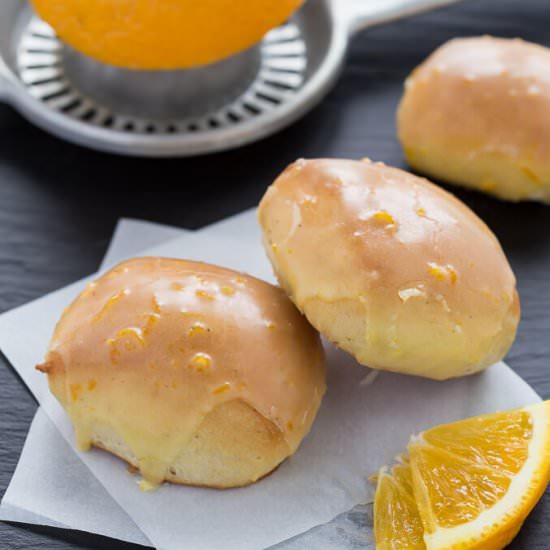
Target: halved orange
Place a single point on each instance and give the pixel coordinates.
(474, 482)
(170, 34)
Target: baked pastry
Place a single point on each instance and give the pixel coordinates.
(390, 268)
(171, 34)
(475, 113)
(190, 372)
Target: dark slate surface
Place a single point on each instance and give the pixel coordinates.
(59, 205)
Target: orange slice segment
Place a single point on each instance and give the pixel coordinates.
(475, 481)
(397, 525)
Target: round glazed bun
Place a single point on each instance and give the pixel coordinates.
(190, 372)
(166, 34)
(390, 268)
(477, 113)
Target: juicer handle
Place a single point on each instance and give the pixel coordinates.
(362, 14)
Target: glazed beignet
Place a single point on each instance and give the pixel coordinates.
(190, 372)
(389, 267)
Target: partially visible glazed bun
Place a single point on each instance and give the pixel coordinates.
(477, 113)
(190, 372)
(391, 268)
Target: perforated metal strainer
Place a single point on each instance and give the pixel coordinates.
(183, 113)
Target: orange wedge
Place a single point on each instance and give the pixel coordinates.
(473, 482)
(397, 524)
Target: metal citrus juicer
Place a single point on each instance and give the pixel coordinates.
(189, 112)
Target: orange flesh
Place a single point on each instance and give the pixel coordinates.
(465, 469)
(397, 524)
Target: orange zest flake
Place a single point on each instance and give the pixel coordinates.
(531, 175)
(177, 287)
(290, 426)
(384, 217)
(453, 275)
(133, 332)
(156, 306)
(443, 272)
(204, 295)
(200, 362)
(437, 272)
(227, 290)
(89, 289)
(92, 384)
(152, 319)
(114, 353)
(226, 386)
(75, 390)
(110, 303)
(196, 329)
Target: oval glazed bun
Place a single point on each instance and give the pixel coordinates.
(477, 113)
(190, 372)
(390, 268)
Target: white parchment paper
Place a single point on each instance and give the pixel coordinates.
(358, 428)
(52, 486)
(31, 491)
(38, 492)
(132, 236)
